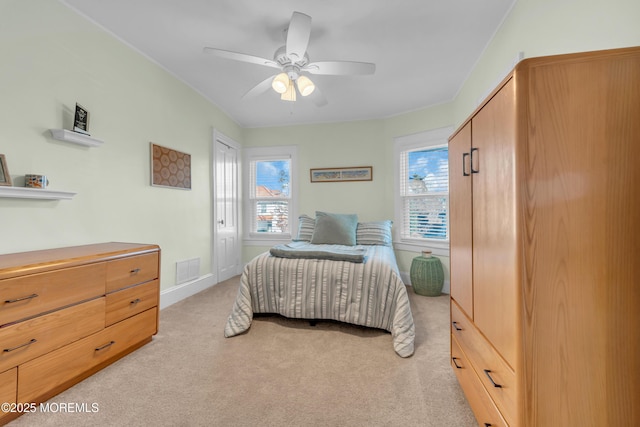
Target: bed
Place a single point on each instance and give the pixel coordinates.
(321, 275)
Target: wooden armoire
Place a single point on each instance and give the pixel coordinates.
(545, 244)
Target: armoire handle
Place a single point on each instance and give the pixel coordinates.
(455, 326)
(472, 169)
(464, 164)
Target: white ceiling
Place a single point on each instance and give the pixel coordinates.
(423, 50)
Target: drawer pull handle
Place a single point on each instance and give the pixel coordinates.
(9, 301)
(135, 271)
(109, 344)
(487, 424)
(487, 372)
(7, 350)
(135, 301)
(453, 359)
(455, 326)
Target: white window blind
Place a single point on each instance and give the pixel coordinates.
(270, 195)
(424, 193)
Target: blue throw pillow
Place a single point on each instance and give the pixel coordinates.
(335, 229)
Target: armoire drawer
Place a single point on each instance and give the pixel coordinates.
(481, 403)
(494, 373)
(31, 338)
(54, 369)
(131, 301)
(27, 296)
(8, 387)
(131, 271)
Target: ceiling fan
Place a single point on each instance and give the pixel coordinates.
(293, 62)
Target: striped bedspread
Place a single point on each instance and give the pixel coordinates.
(367, 294)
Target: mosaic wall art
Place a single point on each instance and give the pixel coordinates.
(170, 168)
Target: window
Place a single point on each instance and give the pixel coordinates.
(422, 190)
(270, 212)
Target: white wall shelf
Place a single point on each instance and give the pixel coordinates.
(75, 137)
(34, 193)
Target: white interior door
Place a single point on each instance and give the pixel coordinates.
(226, 247)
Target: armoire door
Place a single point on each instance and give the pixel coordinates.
(495, 248)
(460, 217)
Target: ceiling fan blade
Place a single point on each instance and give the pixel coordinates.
(259, 89)
(298, 36)
(240, 57)
(340, 68)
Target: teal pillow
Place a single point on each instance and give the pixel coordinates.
(335, 229)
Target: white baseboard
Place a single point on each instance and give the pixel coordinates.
(446, 289)
(184, 290)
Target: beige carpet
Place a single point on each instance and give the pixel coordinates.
(283, 372)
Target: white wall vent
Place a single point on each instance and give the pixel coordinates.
(187, 270)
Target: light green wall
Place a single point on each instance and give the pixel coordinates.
(52, 58)
(336, 145)
(535, 27)
(549, 27)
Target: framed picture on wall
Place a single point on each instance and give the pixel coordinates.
(359, 173)
(170, 168)
(5, 178)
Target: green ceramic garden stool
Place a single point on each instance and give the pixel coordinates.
(427, 275)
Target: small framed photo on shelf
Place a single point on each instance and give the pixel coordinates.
(81, 120)
(5, 178)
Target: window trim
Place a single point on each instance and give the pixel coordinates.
(423, 140)
(269, 153)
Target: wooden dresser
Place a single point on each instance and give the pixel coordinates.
(67, 313)
(545, 259)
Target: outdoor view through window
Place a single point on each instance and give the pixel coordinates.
(426, 193)
(272, 196)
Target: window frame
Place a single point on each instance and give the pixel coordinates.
(254, 154)
(426, 140)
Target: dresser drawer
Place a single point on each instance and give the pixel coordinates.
(130, 271)
(8, 387)
(27, 296)
(481, 403)
(131, 301)
(494, 373)
(27, 340)
(54, 369)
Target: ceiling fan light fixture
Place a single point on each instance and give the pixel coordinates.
(305, 85)
(290, 94)
(280, 83)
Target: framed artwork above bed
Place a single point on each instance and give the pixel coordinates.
(357, 173)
